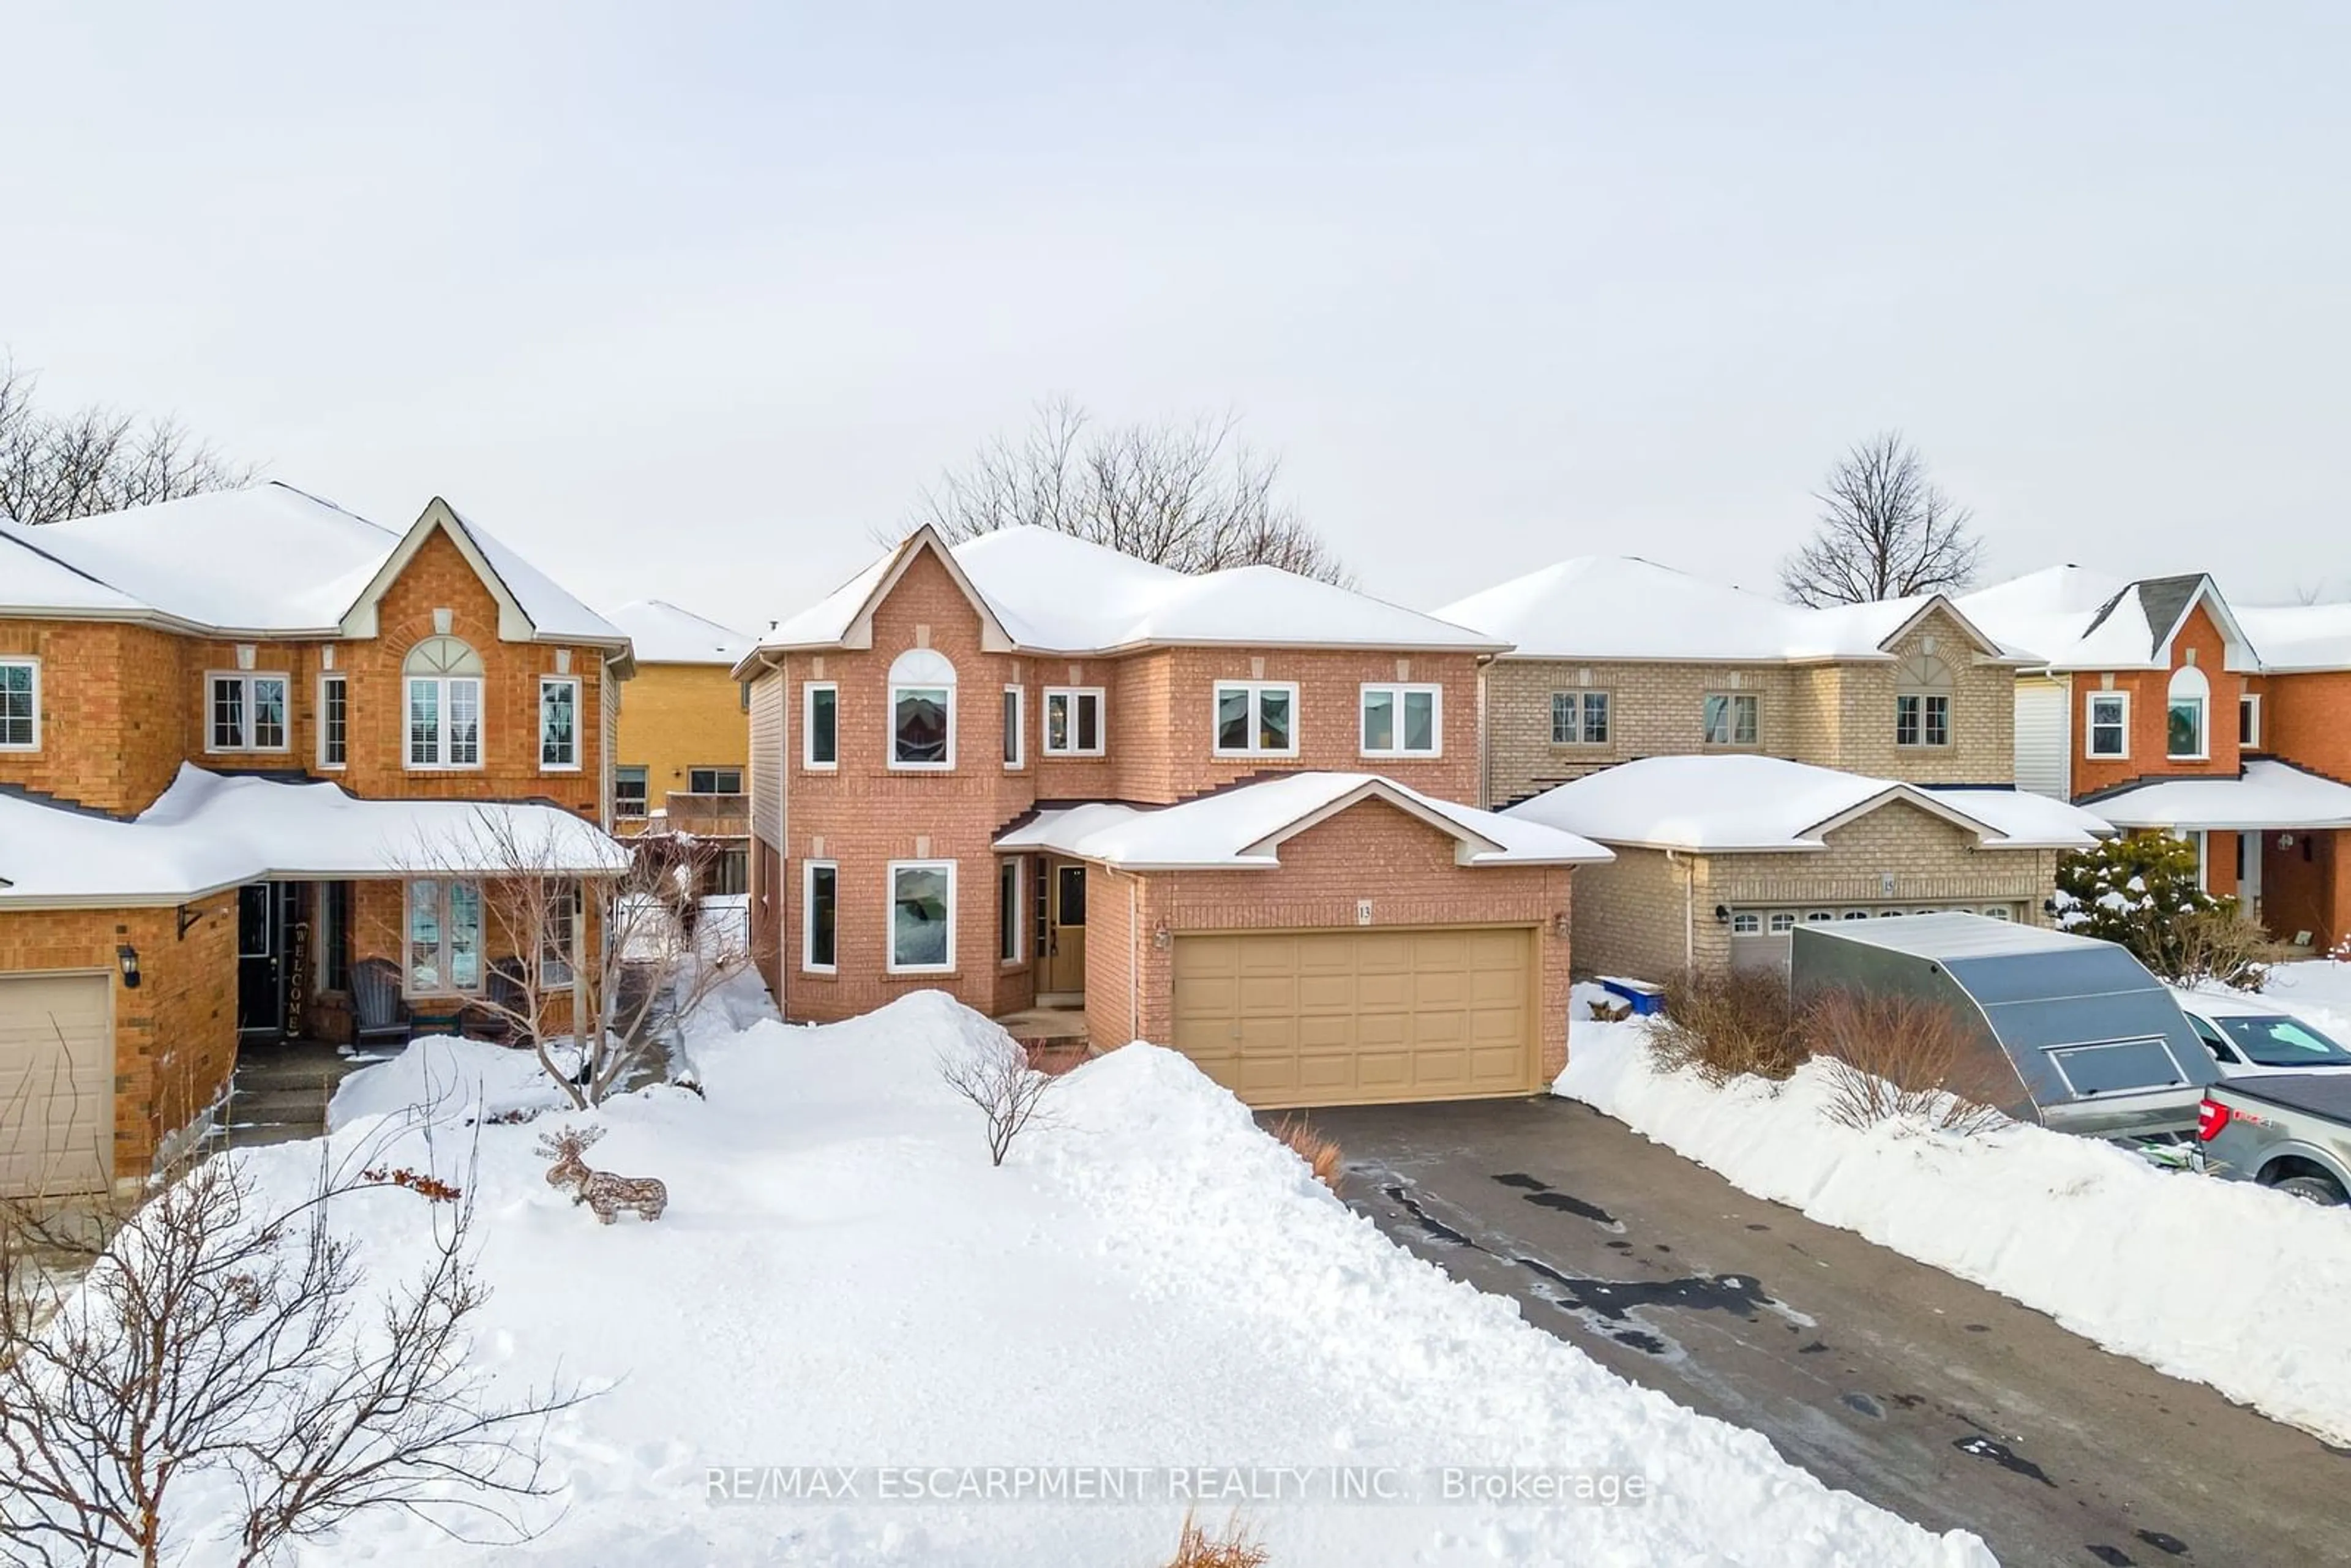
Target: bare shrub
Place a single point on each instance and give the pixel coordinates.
(1235, 1547)
(1904, 1058)
(995, 1075)
(214, 1335)
(1321, 1154)
(1728, 1024)
(2224, 946)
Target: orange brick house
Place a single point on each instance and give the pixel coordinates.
(1222, 812)
(249, 746)
(2156, 705)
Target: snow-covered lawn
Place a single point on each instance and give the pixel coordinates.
(841, 1279)
(2219, 1281)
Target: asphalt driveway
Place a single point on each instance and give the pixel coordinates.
(1926, 1395)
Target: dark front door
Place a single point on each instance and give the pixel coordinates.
(260, 959)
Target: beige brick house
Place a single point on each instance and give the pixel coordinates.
(1226, 813)
(228, 726)
(1613, 658)
(1756, 764)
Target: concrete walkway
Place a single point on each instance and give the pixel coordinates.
(1926, 1395)
(280, 1091)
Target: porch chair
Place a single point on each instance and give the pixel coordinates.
(510, 1002)
(375, 1001)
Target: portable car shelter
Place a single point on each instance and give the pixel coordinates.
(2097, 1043)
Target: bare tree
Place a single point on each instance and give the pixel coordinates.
(214, 1340)
(53, 466)
(601, 1008)
(1193, 496)
(994, 1074)
(1888, 532)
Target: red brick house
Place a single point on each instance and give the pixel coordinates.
(2156, 705)
(1221, 812)
(368, 690)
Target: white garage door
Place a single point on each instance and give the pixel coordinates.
(56, 1083)
(1759, 937)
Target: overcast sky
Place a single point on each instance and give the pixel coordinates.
(687, 300)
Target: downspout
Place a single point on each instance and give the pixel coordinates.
(1133, 958)
(1689, 909)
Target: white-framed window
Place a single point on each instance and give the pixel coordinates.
(444, 937)
(819, 726)
(1256, 718)
(1403, 720)
(334, 721)
(1998, 912)
(2107, 724)
(559, 723)
(820, 917)
(1745, 923)
(1782, 922)
(1579, 718)
(444, 704)
(1073, 721)
(1819, 916)
(1010, 914)
(20, 705)
(1015, 729)
(922, 917)
(629, 793)
(1922, 719)
(1732, 718)
(246, 713)
(714, 780)
(1854, 915)
(2249, 721)
(2187, 706)
(921, 712)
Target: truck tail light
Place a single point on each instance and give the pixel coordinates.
(2210, 1117)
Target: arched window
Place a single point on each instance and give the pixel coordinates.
(443, 676)
(922, 710)
(2184, 714)
(1922, 702)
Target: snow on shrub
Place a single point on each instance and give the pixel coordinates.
(1727, 1024)
(2140, 891)
(1888, 1058)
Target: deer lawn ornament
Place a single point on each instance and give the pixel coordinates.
(600, 1190)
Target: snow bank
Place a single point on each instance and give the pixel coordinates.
(2218, 1281)
(841, 1279)
(458, 1079)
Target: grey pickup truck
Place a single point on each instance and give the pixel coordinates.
(2291, 1132)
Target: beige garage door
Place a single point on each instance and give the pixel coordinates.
(56, 1083)
(1352, 1017)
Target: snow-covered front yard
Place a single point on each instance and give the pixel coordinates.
(841, 1279)
(2218, 1281)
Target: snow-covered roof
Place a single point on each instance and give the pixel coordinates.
(265, 560)
(210, 832)
(1243, 828)
(1622, 606)
(2267, 795)
(1050, 592)
(267, 557)
(1955, 933)
(2074, 619)
(1718, 804)
(662, 634)
(2292, 637)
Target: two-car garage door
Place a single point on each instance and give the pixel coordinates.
(56, 1083)
(1349, 1017)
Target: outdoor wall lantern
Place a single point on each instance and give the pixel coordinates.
(128, 956)
(1722, 914)
(1162, 938)
(1559, 925)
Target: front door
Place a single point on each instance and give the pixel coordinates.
(260, 963)
(1061, 962)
